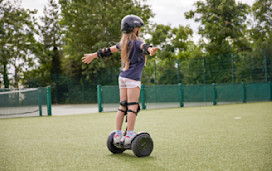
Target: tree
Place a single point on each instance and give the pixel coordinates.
(18, 45)
(3, 45)
(92, 25)
(51, 53)
(222, 25)
(260, 60)
(51, 36)
(173, 46)
(223, 29)
(262, 12)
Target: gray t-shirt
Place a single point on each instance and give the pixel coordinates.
(137, 62)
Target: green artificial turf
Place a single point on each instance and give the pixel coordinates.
(227, 137)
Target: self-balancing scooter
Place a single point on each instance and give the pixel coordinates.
(141, 145)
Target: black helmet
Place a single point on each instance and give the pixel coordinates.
(129, 22)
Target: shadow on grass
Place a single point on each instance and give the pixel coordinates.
(126, 156)
(129, 160)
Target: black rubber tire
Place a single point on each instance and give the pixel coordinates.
(142, 145)
(111, 147)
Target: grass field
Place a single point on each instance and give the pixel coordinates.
(227, 137)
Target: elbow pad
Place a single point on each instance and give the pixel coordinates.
(106, 52)
(144, 49)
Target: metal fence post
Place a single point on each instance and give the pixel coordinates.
(68, 86)
(232, 66)
(244, 92)
(270, 89)
(99, 98)
(40, 101)
(265, 67)
(83, 90)
(143, 96)
(116, 76)
(178, 73)
(214, 94)
(181, 97)
(155, 67)
(56, 88)
(48, 95)
(204, 78)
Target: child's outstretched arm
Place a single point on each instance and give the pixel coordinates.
(148, 49)
(101, 53)
(152, 51)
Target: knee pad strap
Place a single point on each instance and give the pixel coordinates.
(125, 112)
(129, 110)
(124, 104)
(134, 103)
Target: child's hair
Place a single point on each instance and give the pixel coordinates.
(126, 45)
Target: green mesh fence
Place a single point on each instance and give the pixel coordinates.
(229, 93)
(197, 93)
(256, 92)
(164, 96)
(68, 90)
(162, 93)
(161, 96)
(25, 102)
(110, 94)
(110, 98)
(81, 94)
(196, 73)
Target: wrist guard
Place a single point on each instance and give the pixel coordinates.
(145, 47)
(106, 52)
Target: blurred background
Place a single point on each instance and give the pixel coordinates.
(200, 42)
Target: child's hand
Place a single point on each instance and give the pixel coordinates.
(152, 51)
(88, 58)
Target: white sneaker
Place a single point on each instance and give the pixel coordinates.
(123, 138)
(129, 139)
(116, 139)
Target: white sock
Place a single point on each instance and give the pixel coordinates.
(130, 133)
(119, 132)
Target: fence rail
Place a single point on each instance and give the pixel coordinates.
(25, 102)
(162, 96)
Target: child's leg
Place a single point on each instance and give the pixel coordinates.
(133, 96)
(120, 114)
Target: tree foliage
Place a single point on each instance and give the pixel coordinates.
(232, 47)
(222, 24)
(50, 55)
(261, 33)
(90, 25)
(259, 61)
(18, 45)
(174, 45)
